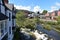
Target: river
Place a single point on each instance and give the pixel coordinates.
(52, 33)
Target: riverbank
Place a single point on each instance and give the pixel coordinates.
(56, 30)
(36, 34)
(52, 33)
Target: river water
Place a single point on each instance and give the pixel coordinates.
(52, 33)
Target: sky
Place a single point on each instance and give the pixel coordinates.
(36, 5)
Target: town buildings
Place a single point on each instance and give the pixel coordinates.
(52, 15)
(7, 20)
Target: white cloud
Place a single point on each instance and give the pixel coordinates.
(53, 8)
(23, 7)
(57, 4)
(37, 8)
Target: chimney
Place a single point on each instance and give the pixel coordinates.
(5, 1)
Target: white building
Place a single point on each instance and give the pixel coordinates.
(7, 20)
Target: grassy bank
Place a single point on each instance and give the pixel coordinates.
(56, 30)
(49, 25)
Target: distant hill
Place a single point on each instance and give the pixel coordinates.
(17, 10)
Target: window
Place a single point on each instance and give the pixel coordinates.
(0, 1)
(0, 7)
(9, 17)
(9, 30)
(2, 28)
(5, 11)
(13, 22)
(5, 26)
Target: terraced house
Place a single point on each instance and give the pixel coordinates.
(53, 15)
(7, 20)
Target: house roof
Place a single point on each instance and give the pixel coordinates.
(10, 6)
(3, 17)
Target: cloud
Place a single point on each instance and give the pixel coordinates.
(37, 8)
(55, 7)
(57, 4)
(23, 7)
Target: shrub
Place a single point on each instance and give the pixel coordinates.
(16, 34)
(30, 27)
(48, 27)
(58, 19)
(42, 22)
(52, 23)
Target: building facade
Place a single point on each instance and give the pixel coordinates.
(7, 20)
(52, 15)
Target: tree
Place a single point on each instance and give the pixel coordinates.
(22, 21)
(20, 18)
(44, 12)
(30, 24)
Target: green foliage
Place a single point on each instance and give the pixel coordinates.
(30, 23)
(16, 34)
(44, 11)
(51, 23)
(57, 28)
(48, 22)
(22, 21)
(46, 26)
(58, 19)
(42, 22)
(20, 18)
(37, 20)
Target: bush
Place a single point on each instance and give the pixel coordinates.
(51, 23)
(30, 24)
(30, 27)
(58, 19)
(42, 22)
(17, 34)
(48, 27)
